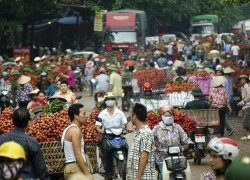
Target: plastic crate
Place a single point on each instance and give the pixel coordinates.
(204, 117)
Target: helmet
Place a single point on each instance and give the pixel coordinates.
(166, 108)
(225, 147)
(147, 87)
(239, 168)
(4, 73)
(43, 74)
(12, 150)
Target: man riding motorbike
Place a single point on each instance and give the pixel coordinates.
(101, 84)
(111, 117)
(169, 133)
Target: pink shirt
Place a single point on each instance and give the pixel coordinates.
(71, 81)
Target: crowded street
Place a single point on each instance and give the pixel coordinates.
(196, 169)
(125, 90)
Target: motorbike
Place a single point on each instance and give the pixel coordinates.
(99, 98)
(5, 99)
(118, 146)
(127, 93)
(201, 139)
(78, 78)
(175, 166)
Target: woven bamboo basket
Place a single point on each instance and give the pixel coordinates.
(90, 150)
(54, 157)
(204, 117)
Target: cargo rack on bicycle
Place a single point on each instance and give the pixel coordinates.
(204, 117)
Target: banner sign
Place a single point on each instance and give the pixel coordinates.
(152, 39)
(98, 25)
(23, 52)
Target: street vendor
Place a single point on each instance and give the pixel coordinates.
(245, 103)
(218, 99)
(23, 90)
(15, 74)
(33, 96)
(26, 71)
(43, 84)
(4, 81)
(167, 132)
(41, 100)
(197, 103)
(64, 93)
(143, 54)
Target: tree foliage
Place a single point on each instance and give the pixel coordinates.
(15, 12)
(176, 14)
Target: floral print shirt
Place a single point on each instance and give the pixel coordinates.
(208, 176)
(23, 91)
(168, 135)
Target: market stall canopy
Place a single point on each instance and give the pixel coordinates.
(70, 20)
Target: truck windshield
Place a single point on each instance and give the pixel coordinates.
(202, 29)
(120, 37)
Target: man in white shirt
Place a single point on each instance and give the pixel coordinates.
(169, 48)
(235, 49)
(111, 117)
(218, 41)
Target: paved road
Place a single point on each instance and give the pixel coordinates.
(196, 170)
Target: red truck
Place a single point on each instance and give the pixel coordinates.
(124, 29)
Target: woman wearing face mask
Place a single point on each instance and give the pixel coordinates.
(41, 100)
(168, 133)
(12, 160)
(222, 152)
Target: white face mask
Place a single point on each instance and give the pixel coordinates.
(167, 120)
(9, 170)
(110, 103)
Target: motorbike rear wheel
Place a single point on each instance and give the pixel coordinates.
(198, 156)
(122, 169)
(125, 104)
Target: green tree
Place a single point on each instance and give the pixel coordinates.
(15, 12)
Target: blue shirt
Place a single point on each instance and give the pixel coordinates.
(51, 90)
(227, 48)
(35, 166)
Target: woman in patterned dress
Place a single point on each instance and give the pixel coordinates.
(168, 133)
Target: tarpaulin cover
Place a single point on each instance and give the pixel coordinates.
(120, 20)
(206, 17)
(70, 20)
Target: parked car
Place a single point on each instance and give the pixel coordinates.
(165, 38)
(82, 54)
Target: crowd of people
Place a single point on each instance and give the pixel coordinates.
(21, 156)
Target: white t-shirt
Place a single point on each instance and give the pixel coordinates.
(180, 47)
(218, 40)
(235, 49)
(118, 119)
(170, 49)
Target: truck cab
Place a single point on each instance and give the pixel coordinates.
(124, 30)
(203, 25)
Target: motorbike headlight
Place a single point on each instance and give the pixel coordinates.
(174, 150)
(4, 93)
(117, 131)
